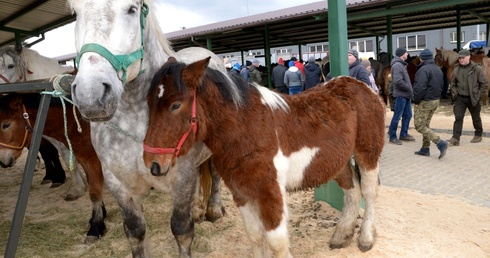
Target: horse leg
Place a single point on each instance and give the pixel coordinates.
(95, 181)
(54, 170)
(215, 209)
(183, 192)
(344, 231)
(254, 228)
(369, 189)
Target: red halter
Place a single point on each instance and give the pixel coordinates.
(176, 150)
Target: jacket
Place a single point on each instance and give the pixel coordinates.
(293, 77)
(402, 87)
(312, 75)
(428, 82)
(356, 70)
(278, 75)
(477, 82)
(255, 74)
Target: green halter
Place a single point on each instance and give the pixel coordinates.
(119, 62)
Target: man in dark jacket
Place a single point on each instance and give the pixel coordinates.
(402, 92)
(468, 84)
(312, 73)
(427, 88)
(278, 77)
(356, 70)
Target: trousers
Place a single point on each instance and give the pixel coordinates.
(422, 116)
(459, 108)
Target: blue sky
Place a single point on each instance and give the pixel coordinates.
(173, 15)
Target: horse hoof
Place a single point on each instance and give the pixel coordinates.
(365, 247)
(46, 181)
(215, 213)
(54, 185)
(91, 240)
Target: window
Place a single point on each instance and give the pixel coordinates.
(482, 35)
(318, 48)
(282, 50)
(453, 39)
(362, 45)
(413, 42)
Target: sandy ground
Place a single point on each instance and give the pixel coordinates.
(409, 224)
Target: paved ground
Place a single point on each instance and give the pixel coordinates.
(464, 171)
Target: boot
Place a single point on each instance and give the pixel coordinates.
(476, 139)
(423, 152)
(442, 146)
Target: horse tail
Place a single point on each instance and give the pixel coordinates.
(206, 180)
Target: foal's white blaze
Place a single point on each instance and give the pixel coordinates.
(290, 170)
(160, 94)
(272, 99)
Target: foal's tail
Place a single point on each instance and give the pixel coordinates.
(206, 181)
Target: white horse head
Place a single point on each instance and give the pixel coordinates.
(24, 64)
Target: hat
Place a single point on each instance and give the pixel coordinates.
(281, 61)
(463, 53)
(311, 59)
(354, 53)
(236, 66)
(426, 54)
(248, 63)
(291, 63)
(255, 61)
(365, 63)
(294, 58)
(400, 51)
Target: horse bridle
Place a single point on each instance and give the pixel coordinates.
(175, 151)
(120, 62)
(28, 129)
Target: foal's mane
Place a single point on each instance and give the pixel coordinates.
(227, 85)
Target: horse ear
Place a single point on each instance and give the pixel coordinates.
(18, 48)
(16, 103)
(171, 60)
(195, 71)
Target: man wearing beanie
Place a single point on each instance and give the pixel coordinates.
(244, 72)
(427, 88)
(312, 73)
(402, 92)
(468, 84)
(356, 70)
(294, 79)
(278, 77)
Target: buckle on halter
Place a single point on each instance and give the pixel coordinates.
(25, 115)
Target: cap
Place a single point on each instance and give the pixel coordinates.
(248, 63)
(400, 51)
(426, 54)
(280, 61)
(236, 66)
(291, 63)
(255, 61)
(463, 53)
(354, 53)
(311, 59)
(365, 63)
(294, 58)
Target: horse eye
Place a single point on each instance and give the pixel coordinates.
(5, 126)
(175, 106)
(11, 66)
(132, 9)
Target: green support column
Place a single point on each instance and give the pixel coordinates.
(337, 38)
(267, 56)
(389, 36)
(458, 29)
(209, 46)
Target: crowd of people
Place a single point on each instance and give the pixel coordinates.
(468, 84)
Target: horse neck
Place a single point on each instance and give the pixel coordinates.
(450, 57)
(40, 67)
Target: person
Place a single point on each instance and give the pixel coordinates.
(427, 90)
(356, 70)
(235, 70)
(293, 79)
(312, 73)
(299, 64)
(244, 72)
(255, 74)
(468, 84)
(278, 76)
(367, 65)
(403, 93)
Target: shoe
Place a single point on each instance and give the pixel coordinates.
(476, 139)
(407, 138)
(396, 141)
(423, 152)
(442, 146)
(453, 142)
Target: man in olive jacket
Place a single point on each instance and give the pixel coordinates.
(468, 84)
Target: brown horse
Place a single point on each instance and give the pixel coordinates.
(18, 113)
(447, 58)
(265, 144)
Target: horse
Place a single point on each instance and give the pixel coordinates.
(268, 144)
(120, 46)
(447, 58)
(18, 64)
(18, 113)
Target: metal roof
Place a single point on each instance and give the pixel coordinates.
(31, 18)
(302, 24)
(307, 23)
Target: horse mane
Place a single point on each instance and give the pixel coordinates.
(227, 86)
(152, 25)
(449, 56)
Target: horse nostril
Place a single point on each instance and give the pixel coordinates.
(155, 169)
(107, 89)
(73, 92)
